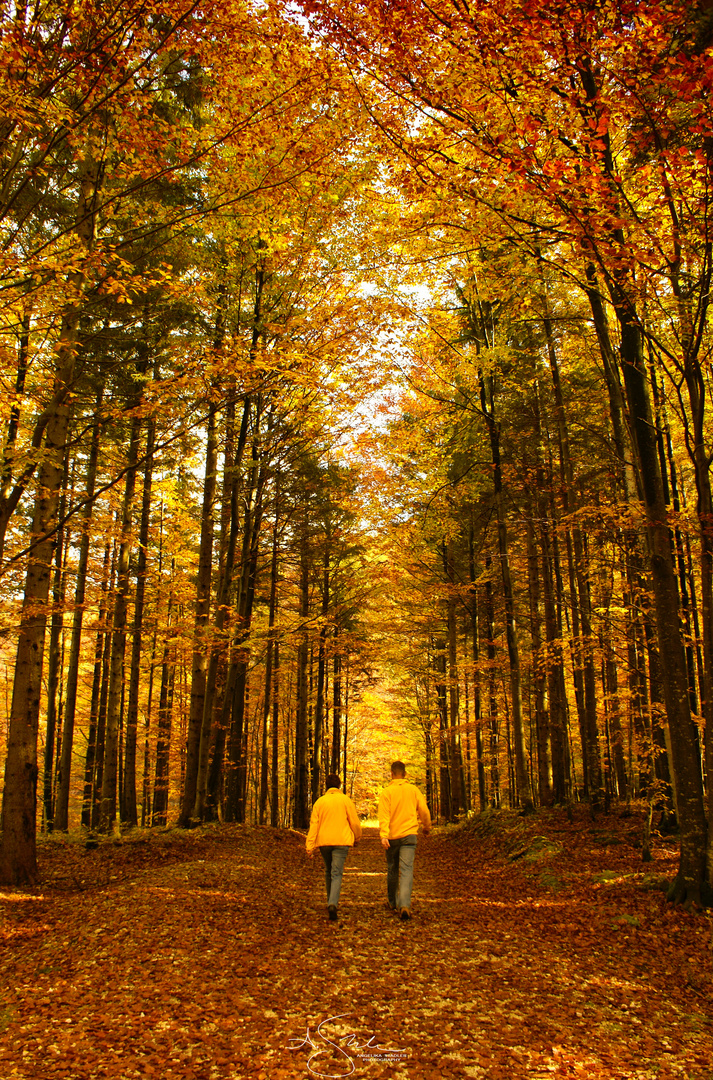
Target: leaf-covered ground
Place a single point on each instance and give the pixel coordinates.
(538, 948)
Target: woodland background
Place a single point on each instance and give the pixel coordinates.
(355, 375)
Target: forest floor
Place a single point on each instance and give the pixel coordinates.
(538, 948)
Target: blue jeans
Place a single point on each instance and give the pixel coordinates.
(399, 874)
(334, 859)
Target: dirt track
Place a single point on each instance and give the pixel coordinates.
(215, 960)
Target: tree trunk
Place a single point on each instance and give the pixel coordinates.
(488, 629)
(580, 588)
(301, 811)
(201, 647)
(630, 478)
(335, 764)
(522, 776)
(455, 749)
(269, 659)
(697, 392)
(165, 721)
(236, 781)
(539, 670)
(321, 670)
(684, 735)
(146, 785)
(228, 544)
(65, 767)
(104, 672)
(107, 813)
(477, 695)
(129, 809)
(18, 847)
(556, 689)
(274, 807)
(616, 733)
(445, 776)
(53, 715)
(93, 734)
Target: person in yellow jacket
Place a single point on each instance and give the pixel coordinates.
(333, 828)
(401, 808)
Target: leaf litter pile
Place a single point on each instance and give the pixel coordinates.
(538, 948)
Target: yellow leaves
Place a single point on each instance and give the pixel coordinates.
(116, 289)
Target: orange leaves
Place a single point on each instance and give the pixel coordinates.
(216, 981)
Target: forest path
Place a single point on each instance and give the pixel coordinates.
(223, 965)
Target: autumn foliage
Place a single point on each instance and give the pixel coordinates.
(355, 405)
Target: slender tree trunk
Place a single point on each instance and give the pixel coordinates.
(336, 706)
(345, 726)
(288, 785)
(104, 689)
(321, 669)
(236, 780)
(129, 809)
(165, 722)
(669, 482)
(522, 776)
(555, 676)
(684, 735)
(455, 750)
(18, 847)
(274, 806)
(269, 660)
(229, 533)
(228, 545)
(445, 774)
(539, 670)
(146, 784)
(477, 697)
(493, 723)
(704, 509)
(630, 477)
(697, 380)
(65, 767)
(107, 815)
(92, 737)
(616, 737)
(202, 614)
(467, 770)
(52, 733)
(643, 707)
(580, 587)
(301, 813)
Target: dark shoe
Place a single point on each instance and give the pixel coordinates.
(332, 909)
(404, 914)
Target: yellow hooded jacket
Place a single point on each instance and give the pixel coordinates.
(334, 821)
(401, 807)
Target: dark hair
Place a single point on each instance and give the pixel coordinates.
(398, 769)
(333, 780)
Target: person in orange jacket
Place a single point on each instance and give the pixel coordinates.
(401, 808)
(333, 828)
